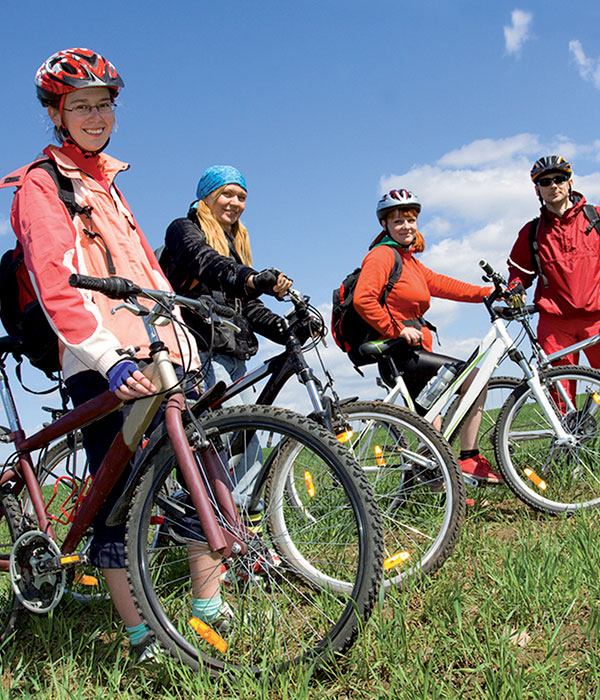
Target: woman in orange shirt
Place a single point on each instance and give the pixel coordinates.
(401, 316)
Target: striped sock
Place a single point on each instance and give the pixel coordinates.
(207, 609)
(136, 633)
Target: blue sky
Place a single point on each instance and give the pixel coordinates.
(324, 105)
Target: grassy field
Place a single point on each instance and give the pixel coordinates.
(513, 614)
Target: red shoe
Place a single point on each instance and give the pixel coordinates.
(479, 468)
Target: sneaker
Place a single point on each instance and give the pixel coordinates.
(479, 468)
(223, 622)
(254, 522)
(147, 650)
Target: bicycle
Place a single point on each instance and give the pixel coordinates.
(414, 475)
(182, 525)
(545, 436)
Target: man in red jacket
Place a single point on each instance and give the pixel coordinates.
(561, 249)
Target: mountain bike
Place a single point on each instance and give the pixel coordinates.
(183, 527)
(545, 438)
(414, 475)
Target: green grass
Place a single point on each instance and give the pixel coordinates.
(513, 614)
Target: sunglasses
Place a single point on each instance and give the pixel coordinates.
(547, 181)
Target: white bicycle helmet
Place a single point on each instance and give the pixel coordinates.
(394, 199)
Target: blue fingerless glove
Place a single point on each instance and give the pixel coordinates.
(119, 373)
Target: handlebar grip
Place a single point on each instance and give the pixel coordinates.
(486, 267)
(112, 287)
(223, 311)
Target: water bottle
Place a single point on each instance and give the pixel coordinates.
(436, 386)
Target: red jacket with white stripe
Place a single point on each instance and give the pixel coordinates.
(570, 261)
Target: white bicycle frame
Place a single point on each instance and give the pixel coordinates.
(490, 351)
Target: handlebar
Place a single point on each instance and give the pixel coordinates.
(112, 287)
(122, 288)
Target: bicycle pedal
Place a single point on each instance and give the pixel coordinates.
(72, 560)
(471, 481)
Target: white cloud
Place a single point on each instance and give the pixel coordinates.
(475, 200)
(490, 151)
(4, 226)
(589, 69)
(516, 34)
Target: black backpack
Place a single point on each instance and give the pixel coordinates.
(20, 311)
(590, 213)
(349, 330)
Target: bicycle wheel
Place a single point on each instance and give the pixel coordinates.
(415, 478)
(498, 390)
(281, 615)
(545, 473)
(11, 526)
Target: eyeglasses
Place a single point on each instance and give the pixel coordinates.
(547, 181)
(84, 110)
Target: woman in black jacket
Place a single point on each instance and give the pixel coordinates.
(208, 252)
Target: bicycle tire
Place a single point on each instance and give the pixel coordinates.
(422, 507)
(11, 526)
(498, 391)
(546, 475)
(281, 617)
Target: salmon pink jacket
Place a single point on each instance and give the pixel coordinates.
(55, 245)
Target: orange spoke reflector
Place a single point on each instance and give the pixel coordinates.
(540, 483)
(379, 456)
(395, 559)
(207, 633)
(596, 397)
(85, 580)
(310, 487)
(345, 436)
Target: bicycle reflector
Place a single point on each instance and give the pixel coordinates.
(379, 456)
(345, 436)
(395, 560)
(540, 483)
(310, 486)
(208, 634)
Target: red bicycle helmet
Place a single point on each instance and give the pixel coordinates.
(73, 69)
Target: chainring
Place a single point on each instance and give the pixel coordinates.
(39, 590)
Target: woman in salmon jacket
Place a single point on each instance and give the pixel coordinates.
(401, 316)
(98, 237)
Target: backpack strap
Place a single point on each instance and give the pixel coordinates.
(535, 250)
(64, 185)
(591, 214)
(395, 274)
(66, 194)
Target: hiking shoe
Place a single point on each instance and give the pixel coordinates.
(147, 650)
(479, 468)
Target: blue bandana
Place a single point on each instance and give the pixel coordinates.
(217, 176)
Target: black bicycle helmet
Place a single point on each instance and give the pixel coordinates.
(550, 164)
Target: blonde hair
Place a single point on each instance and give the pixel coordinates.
(417, 246)
(214, 233)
